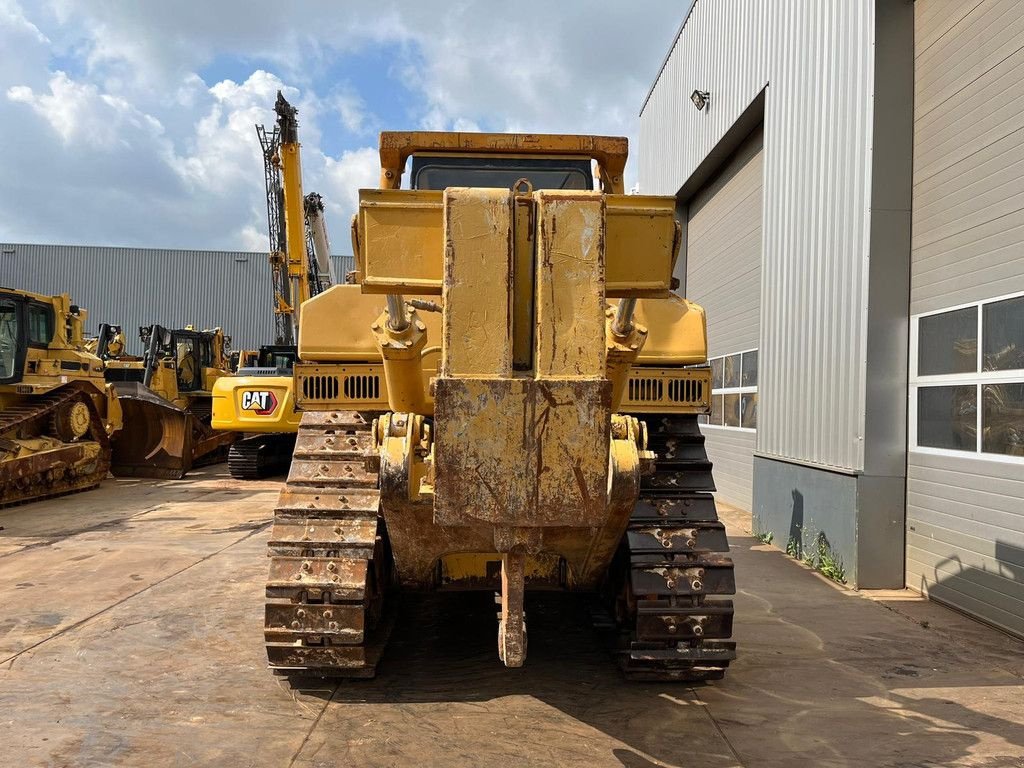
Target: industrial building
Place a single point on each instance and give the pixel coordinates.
(850, 176)
(134, 287)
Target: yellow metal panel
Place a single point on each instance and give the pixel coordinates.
(476, 330)
(570, 319)
(401, 240)
(641, 245)
(667, 390)
(521, 452)
(336, 326)
(255, 404)
(676, 331)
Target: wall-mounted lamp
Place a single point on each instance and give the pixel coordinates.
(700, 99)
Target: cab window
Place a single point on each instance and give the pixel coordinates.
(40, 325)
(8, 339)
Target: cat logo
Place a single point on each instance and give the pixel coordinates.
(260, 401)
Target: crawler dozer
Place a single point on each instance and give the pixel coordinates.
(165, 397)
(507, 400)
(56, 411)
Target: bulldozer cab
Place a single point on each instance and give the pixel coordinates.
(196, 356)
(13, 341)
(24, 322)
(30, 333)
(438, 172)
(499, 161)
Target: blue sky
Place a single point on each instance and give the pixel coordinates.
(131, 123)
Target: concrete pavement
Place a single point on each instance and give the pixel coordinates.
(130, 634)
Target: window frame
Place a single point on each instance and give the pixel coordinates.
(978, 378)
(741, 390)
(51, 322)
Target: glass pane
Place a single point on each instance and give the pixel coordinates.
(750, 369)
(947, 417)
(731, 410)
(948, 343)
(8, 338)
(702, 418)
(40, 329)
(716, 373)
(748, 417)
(1003, 334)
(716, 410)
(732, 371)
(1002, 420)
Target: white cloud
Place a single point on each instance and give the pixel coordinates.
(342, 179)
(79, 112)
(130, 145)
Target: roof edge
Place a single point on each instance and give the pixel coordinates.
(664, 62)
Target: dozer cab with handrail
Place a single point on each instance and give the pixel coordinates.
(165, 397)
(507, 400)
(56, 410)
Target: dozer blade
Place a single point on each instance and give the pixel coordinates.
(156, 440)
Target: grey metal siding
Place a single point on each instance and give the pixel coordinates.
(723, 251)
(968, 241)
(723, 274)
(815, 63)
(140, 286)
(965, 515)
(965, 535)
(732, 453)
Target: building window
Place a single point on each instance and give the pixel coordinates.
(733, 391)
(967, 380)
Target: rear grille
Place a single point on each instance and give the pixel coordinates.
(362, 387)
(671, 390)
(686, 391)
(646, 390)
(320, 387)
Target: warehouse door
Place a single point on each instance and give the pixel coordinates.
(965, 474)
(723, 274)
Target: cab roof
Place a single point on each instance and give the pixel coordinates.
(609, 152)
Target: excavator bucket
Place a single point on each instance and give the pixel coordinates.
(156, 440)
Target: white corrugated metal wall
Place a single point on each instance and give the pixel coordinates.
(815, 59)
(141, 286)
(724, 238)
(965, 512)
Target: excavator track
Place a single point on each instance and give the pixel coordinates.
(259, 456)
(330, 563)
(70, 468)
(670, 566)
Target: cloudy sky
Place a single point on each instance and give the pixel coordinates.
(130, 122)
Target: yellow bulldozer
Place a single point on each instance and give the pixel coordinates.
(165, 396)
(506, 400)
(57, 412)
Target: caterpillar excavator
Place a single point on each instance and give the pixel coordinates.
(165, 397)
(506, 400)
(57, 412)
(258, 400)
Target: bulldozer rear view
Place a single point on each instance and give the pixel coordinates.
(506, 401)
